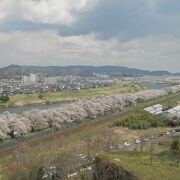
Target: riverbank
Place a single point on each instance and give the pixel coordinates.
(66, 96)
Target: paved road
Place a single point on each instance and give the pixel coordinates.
(155, 139)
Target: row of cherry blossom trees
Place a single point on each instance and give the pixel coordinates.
(14, 125)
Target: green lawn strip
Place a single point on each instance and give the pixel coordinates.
(63, 96)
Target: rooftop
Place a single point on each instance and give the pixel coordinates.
(155, 109)
(174, 110)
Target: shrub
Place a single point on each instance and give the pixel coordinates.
(175, 145)
(4, 98)
(48, 102)
(40, 96)
(142, 120)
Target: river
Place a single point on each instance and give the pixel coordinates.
(154, 85)
(29, 108)
(146, 84)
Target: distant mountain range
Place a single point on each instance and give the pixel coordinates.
(17, 70)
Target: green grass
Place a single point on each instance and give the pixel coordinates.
(142, 120)
(6, 161)
(66, 96)
(163, 166)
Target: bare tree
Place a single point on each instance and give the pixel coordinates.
(152, 148)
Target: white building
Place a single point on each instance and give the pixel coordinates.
(51, 80)
(156, 109)
(33, 78)
(174, 111)
(26, 79)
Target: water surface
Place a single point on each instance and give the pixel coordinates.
(29, 108)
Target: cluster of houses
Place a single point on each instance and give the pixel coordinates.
(34, 84)
(158, 110)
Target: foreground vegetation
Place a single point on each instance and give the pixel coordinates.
(27, 159)
(142, 120)
(67, 96)
(139, 164)
(28, 162)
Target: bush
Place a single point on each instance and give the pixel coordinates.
(142, 120)
(40, 96)
(175, 145)
(4, 98)
(48, 102)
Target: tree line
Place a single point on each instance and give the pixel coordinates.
(14, 125)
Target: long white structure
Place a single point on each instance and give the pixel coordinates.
(156, 109)
(174, 111)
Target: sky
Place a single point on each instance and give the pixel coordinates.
(135, 33)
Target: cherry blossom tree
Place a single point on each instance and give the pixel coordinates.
(19, 124)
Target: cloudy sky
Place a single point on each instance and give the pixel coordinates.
(134, 33)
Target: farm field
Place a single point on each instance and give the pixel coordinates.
(67, 96)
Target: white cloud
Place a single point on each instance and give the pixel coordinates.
(49, 48)
(43, 11)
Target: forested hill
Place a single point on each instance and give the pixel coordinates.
(15, 70)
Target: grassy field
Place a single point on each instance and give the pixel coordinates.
(67, 96)
(163, 166)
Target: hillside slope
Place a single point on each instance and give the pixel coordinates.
(15, 70)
